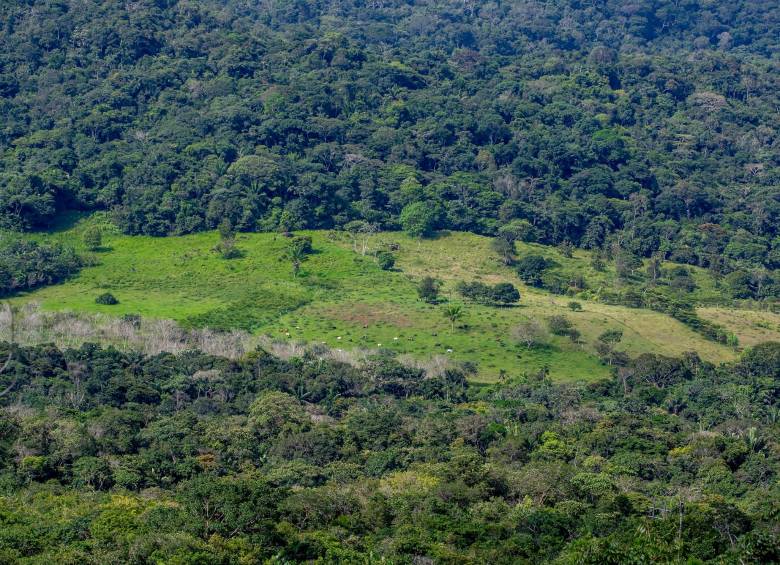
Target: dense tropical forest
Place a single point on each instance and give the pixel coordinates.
(111, 457)
(389, 281)
(650, 125)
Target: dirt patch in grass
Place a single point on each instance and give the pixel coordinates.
(366, 315)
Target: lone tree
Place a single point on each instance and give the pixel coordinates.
(385, 260)
(505, 293)
(531, 267)
(296, 256)
(106, 299)
(453, 313)
(559, 325)
(611, 337)
(227, 240)
(605, 347)
(428, 290)
(505, 248)
(360, 232)
(298, 251)
(93, 238)
(418, 219)
(530, 333)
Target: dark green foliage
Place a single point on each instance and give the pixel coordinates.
(505, 293)
(428, 289)
(560, 121)
(116, 456)
(636, 130)
(530, 269)
(26, 264)
(385, 260)
(501, 294)
(107, 299)
(302, 244)
(763, 360)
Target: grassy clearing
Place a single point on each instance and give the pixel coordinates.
(342, 299)
(751, 326)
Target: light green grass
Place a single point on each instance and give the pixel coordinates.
(341, 294)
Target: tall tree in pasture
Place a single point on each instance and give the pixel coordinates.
(454, 313)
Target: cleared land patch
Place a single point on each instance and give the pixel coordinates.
(344, 300)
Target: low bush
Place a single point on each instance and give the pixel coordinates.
(107, 299)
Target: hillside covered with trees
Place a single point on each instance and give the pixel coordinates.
(112, 457)
(389, 281)
(651, 126)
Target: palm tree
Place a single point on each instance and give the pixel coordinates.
(453, 313)
(296, 255)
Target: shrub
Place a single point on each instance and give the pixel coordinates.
(531, 267)
(502, 293)
(93, 238)
(386, 260)
(228, 250)
(132, 319)
(554, 283)
(505, 293)
(683, 283)
(575, 306)
(566, 249)
(428, 290)
(107, 299)
(303, 243)
(611, 337)
(559, 325)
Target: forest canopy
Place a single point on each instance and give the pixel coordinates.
(190, 458)
(651, 124)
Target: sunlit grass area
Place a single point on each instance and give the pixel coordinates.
(343, 299)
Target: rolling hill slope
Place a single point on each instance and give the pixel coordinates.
(342, 299)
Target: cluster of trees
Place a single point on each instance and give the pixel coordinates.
(651, 286)
(500, 294)
(653, 124)
(119, 457)
(28, 264)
